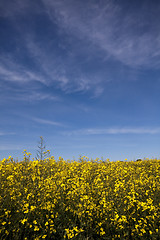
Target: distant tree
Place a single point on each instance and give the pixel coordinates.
(42, 153)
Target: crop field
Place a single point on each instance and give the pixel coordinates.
(85, 199)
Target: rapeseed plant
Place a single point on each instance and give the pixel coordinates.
(49, 199)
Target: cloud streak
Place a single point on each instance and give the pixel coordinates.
(129, 37)
(102, 30)
(6, 133)
(62, 70)
(114, 131)
(14, 72)
(47, 122)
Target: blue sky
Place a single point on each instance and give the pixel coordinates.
(85, 75)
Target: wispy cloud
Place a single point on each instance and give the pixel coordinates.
(102, 29)
(24, 82)
(16, 72)
(126, 35)
(47, 122)
(40, 96)
(106, 131)
(30, 96)
(61, 70)
(6, 133)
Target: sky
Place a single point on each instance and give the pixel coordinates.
(85, 75)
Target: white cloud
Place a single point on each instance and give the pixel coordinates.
(59, 69)
(14, 72)
(48, 122)
(6, 133)
(62, 71)
(31, 96)
(106, 131)
(130, 37)
(39, 96)
(102, 27)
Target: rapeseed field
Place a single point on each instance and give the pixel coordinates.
(85, 199)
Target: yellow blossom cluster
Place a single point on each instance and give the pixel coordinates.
(83, 199)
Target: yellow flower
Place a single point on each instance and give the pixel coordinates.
(24, 220)
(97, 193)
(35, 222)
(36, 228)
(44, 236)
